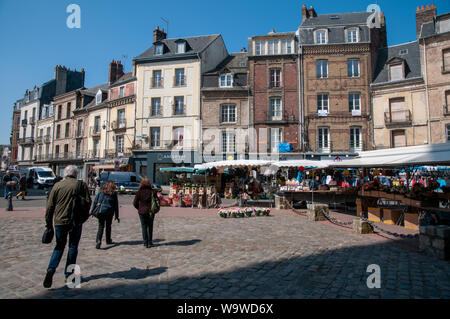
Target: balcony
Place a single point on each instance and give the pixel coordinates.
(79, 134)
(95, 131)
(119, 125)
(47, 138)
(112, 153)
(397, 118)
(179, 81)
(180, 107)
(157, 83)
(93, 154)
(183, 144)
(24, 122)
(356, 148)
(446, 109)
(26, 140)
(64, 156)
(42, 158)
(32, 120)
(324, 148)
(39, 139)
(280, 117)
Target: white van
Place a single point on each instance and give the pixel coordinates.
(41, 177)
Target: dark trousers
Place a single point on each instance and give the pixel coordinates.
(61, 233)
(102, 220)
(147, 228)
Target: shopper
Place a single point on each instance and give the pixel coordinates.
(68, 219)
(7, 181)
(22, 186)
(106, 207)
(142, 202)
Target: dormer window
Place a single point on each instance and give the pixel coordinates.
(159, 49)
(352, 35)
(98, 97)
(260, 47)
(226, 80)
(396, 72)
(321, 37)
(181, 47)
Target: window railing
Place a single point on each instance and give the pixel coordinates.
(26, 140)
(113, 153)
(39, 139)
(95, 131)
(179, 81)
(32, 120)
(24, 122)
(47, 138)
(157, 82)
(79, 133)
(281, 116)
(324, 148)
(180, 107)
(402, 117)
(356, 147)
(117, 125)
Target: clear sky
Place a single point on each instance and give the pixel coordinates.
(34, 35)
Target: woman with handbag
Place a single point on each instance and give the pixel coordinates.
(145, 201)
(105, 207)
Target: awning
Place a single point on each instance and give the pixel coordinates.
(307, 164)
(434, 154)
(234, 163)
(177, 170)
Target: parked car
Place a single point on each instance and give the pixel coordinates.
(126, 182)
(39, 177)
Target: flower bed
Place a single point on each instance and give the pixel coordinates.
(243, 212)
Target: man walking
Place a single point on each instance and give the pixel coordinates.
(59, 206)
(7, 179)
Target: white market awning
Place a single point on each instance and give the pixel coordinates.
(307, 164)
(433, 154)
(234, 163)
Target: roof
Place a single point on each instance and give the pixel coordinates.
(194, 46)
(427, 30)
(234, 163)
(411, 58)
(336, 24)
(233, 61)
(124, 78)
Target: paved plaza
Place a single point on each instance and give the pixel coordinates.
(200, 255)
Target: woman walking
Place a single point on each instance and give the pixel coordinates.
(106, 206)
(143, 202)
(22, 186)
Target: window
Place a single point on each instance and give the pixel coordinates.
(69, 105)
(353, 68)
(48, 131)
(275, 109)
(354, 103)
(179, 105)
(121, 118)
(448, 132)
(179, 77)
(275, 78)
(96, 152)
(226, 80)
(276, 137)
(181, 47)
(66, 150)
(286, 46)
(56, 151)
(155, 135)
(273, 47)
(41, 132)
(352, 35)
(446, 60)
(97, 124)
(67, 130)
(322, 69)
(398, 138)
(58, 131)
(228, 113)
(159, 49)
(323, 139)
(157, 79)
(322, 104)
(156, 106)
(78, 149)
(260, 47)
(321, 37)
(398, 111)
(396, 72)
(59, 112)
(121, 91)
(228, 142)
(80, 128)
(98, 98)
(119, 144)
(355, 139)
(178, 133)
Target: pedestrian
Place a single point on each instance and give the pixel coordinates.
(22, 186)
(69, 202)
(7, 183)
(143, 203)
(106, 204)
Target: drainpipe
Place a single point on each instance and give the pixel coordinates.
(426, 91)
(300, 100)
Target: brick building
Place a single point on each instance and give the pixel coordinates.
(273, 77)
(338, 58)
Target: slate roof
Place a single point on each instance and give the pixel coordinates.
(231, 62)
(93, 91)
(427, 30)
(412, 62)
(336, 24)
(124, 78)
(194, 45)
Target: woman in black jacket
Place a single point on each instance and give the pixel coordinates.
(142, 202)
(108, 204)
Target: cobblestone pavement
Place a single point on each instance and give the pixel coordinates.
(282, 256)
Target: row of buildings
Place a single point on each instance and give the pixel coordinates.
(332, 88)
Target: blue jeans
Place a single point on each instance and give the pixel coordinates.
(61, 233)
(6, 190)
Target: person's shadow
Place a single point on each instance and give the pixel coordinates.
(155, 243)
(132, 274)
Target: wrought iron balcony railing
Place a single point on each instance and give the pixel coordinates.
(402, 117)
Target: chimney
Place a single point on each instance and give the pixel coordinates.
(61, 79)
(312, 12)
(424, 15)
(159, 34)
(115, 71)
(305, 13)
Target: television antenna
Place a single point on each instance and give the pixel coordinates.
(167, 25)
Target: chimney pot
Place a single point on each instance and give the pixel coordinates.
(423, 7)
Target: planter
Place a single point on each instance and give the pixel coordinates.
(248, 214)
(391, 215)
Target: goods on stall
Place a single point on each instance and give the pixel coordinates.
(241, 213)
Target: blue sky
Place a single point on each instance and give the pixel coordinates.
(35, 38)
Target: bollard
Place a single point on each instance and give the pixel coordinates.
(361, 226)
(10, 205)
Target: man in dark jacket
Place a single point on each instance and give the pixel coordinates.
(7, 179)
(59, 207)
